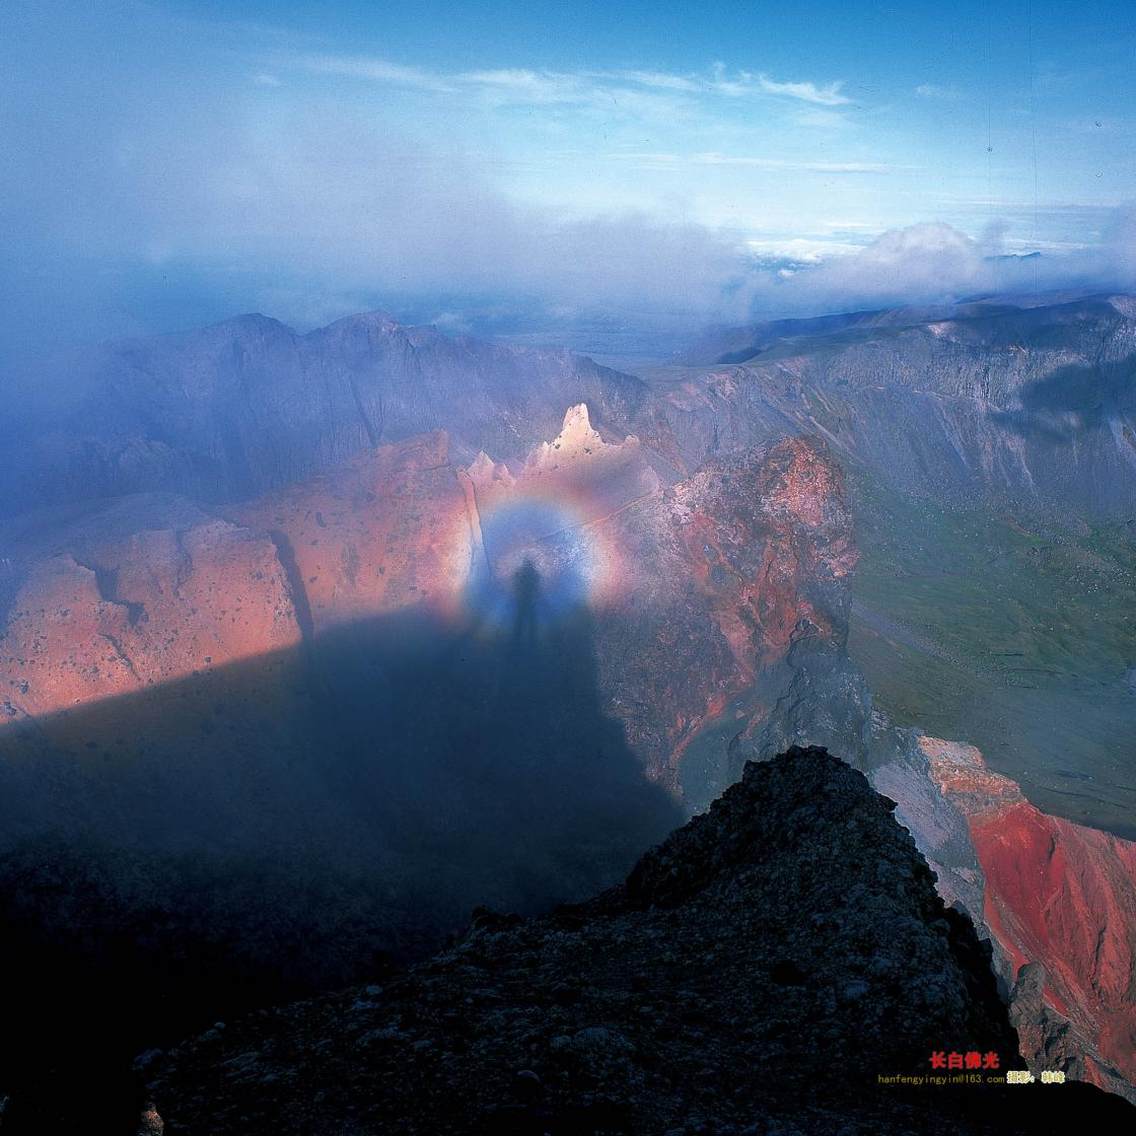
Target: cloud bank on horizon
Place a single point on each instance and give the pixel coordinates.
(171, 163)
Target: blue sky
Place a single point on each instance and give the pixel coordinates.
(765, 116)
(170, 161)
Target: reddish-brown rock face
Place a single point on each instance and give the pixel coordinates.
(153, 608)
(1060, 895)
(695, 588)
(387, 530)
(763, 542)
(790, 504)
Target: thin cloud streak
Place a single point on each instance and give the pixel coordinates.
(808, 92)
(545, 86)
(938, 92)
(376, 70)
(713, 158)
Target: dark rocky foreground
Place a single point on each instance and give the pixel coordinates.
(758, 972)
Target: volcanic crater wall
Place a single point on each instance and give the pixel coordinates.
(719, 621)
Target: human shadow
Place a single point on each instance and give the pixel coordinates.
(526, 601)
(290, 823)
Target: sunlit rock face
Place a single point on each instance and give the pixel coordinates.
(106, 618)
(1062, 897)
(759, 569)
(788, 503)
(387, 530)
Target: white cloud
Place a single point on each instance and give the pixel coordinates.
(806, 250)
(924, 263)
(660, 80)
(377, 70)
(935, 91)
(541, 86)
(516, 79)
(828, 95)
(713, 158)
(936, 263)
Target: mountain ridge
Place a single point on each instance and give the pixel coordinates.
(246, 405)
(722, 988)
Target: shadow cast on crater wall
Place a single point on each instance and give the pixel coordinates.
(290, 823)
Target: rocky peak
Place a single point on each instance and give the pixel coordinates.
(486, 473)
(365, 325)
(253, 323)
(759, 971)
(578, 440)
(776, 806)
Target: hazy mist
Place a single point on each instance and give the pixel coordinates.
(154, 180)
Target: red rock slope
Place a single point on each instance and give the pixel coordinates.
(1059, 895)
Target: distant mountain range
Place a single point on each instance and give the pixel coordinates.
(247, 405)
(983, 397)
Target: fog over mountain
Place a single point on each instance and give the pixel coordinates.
(217, 168)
